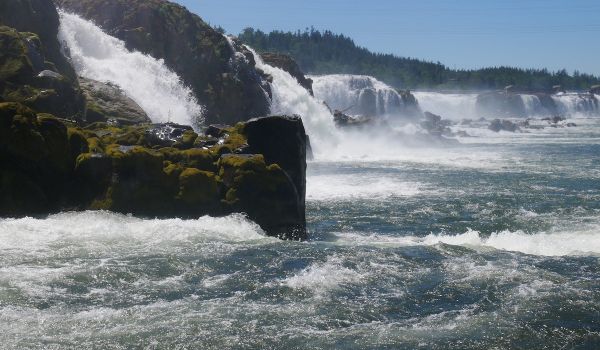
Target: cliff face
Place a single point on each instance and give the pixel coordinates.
(230, 87)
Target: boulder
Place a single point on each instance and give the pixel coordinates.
(498, 125)
(289, 65)
(265, 193)
(344, 120)
(105, 101)
(221, 73)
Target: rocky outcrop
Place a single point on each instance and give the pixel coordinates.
(106, 101)
(498, 125)
(289, 65)
(30, 77)
(595, 89)
(154, 170)
(225, 80)
(39, 17)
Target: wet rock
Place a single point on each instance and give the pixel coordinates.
(344, 120)
(106, 101)
(216, 130)
(168, 134)
(498, 125)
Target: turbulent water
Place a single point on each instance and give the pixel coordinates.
(146, 80)
(490, 244)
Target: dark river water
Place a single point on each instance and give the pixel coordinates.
(491, 244)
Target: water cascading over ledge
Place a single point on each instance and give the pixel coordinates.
(99, 56)
(190, 47)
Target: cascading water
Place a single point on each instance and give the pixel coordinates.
(358, 94)
(290, 98)
(449, 106)
(573, 103)
(146, 80)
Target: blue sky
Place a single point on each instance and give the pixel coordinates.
(551, 34)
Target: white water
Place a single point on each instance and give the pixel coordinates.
(572, 103)
(345, 92)
(290, 98)
(99, 56)
(572, 243)
(449, 106)
(103, 233)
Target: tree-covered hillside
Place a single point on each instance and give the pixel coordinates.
(329, 53)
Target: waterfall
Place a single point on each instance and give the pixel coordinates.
(146, 80)
(449, 106)
(533, 105)
(358, 94)
(290, 98)
(572, 104)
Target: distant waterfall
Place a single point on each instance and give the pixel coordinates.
(146, 80)
(358, 94)
(449, 106)
(464, 106)
(572, 103)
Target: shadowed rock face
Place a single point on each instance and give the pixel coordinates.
(39, 17)
(289, 65)
(29, 77)
(231, 90)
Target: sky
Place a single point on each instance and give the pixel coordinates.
(464, 34)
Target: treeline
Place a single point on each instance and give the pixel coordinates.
(329, 53)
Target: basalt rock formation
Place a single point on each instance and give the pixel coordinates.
(225, 80)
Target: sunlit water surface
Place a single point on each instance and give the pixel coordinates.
(494, 243)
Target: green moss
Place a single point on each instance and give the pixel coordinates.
(198, 158)
(56, 141)
(198, 187)
(188, 138)
(78, 143)
(14, 63)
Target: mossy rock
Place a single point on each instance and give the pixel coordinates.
(15, 64)
(56, 142)
(198, 188)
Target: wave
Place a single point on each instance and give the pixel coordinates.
(102, 231)
(575, 243)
